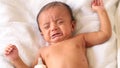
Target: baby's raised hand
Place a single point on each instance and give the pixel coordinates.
(11, 52)
(97, 5)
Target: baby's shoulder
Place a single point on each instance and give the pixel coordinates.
(78, 38)
(43, 50)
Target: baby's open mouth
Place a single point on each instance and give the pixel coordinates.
(56, 35)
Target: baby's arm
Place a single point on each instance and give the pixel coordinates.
(11, 52)
(105, 32)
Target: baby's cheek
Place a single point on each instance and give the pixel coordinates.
(46, 37)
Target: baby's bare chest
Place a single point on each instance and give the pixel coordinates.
(66, 56)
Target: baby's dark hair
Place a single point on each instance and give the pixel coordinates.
(54, 4)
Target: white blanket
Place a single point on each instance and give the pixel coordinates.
(118, 33)
(18, 26)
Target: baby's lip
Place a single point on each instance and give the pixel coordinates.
(56, 35)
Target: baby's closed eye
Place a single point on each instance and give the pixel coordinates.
(46, 26)
(59, 22)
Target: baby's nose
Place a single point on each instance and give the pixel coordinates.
(54, 27)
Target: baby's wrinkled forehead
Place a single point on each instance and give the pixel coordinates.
(54, 5)
(55, 9)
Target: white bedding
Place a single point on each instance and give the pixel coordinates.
(18, 26)
(118, 32)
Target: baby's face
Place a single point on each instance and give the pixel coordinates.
(56, 24)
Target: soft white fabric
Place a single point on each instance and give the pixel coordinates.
(18, 26)
(118, 32)
(40, 64)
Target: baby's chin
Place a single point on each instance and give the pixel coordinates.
(56, 40)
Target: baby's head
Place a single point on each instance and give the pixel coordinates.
(56, 22)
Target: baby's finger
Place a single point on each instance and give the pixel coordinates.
(12, 46)
(8, 50)
(101, 2)
(93, 3)
(98, 2)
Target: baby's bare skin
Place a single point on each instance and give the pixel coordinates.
(67, 54)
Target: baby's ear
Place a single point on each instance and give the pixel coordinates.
(73, 25)
(41, 33)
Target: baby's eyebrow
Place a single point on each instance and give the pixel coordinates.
(57, 19)
(47, 23)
